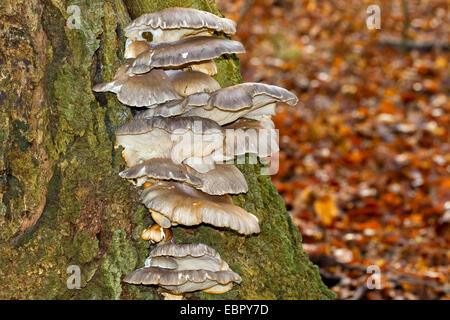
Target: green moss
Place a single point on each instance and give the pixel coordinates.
(120, 260)
(83, 248)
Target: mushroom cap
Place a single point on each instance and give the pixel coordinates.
(182, 281)
(177, 138)
(175, 107)
(179, 18)
(147, 89)
(250, 94)
(223, 179)
(185, 268)
(143, 90)
(228, 104)
(185, 205)
(183, 52)
(190, 82)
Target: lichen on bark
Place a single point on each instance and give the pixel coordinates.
(62, 201)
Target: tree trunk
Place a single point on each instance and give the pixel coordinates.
(62, 201)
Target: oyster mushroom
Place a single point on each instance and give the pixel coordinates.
(250, 100)
(173, 24)
(183, 52)
(179, 203)
(155, 233)
(189, 82)
(144, 90)
(177, 138)
(223, 179)
(181, 268)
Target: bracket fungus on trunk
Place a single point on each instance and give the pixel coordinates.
(180, 151)
(183, 52)
(180, 203)
(181, 268)
(225, 105)
(223, 179)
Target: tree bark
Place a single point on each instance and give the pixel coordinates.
(62, 201)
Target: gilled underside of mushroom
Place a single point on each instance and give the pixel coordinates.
(223, 179)
(176, 138)
(182, 204)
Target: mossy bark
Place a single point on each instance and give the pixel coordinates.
(62, 201)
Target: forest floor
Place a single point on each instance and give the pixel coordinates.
(365, 155)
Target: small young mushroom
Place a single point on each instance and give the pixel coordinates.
(183, 204)
(173, 24)
(223, 179)
(144, 90)
(155, 233)
(182, 268)
(187, 83)
(177, 138)
(183, 52)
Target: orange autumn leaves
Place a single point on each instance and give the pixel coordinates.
(365, 156)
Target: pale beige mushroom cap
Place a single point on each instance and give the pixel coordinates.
(185, 268)
(182, 204)
(176, 138)
(172, 24)
(183, 52)
(223, 179)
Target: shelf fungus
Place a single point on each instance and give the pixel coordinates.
(178, 203)
(248, 100)
(173, 24)
(180, 151)
(177, 138)
(223, 179)
(146, 90)
(182, 53)
(181, 268)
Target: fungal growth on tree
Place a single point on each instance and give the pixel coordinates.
(180, 151)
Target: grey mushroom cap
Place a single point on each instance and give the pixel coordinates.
(184, 280)
(189, 82)
(144, 90)
(226, 105)
(186, 268)
(183, 52)
(171, 125)
(176, 107)
(190, 21)
(223, 179)
(246, 95)
(185, 205)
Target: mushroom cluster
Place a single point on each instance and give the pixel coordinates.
(180, 147)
